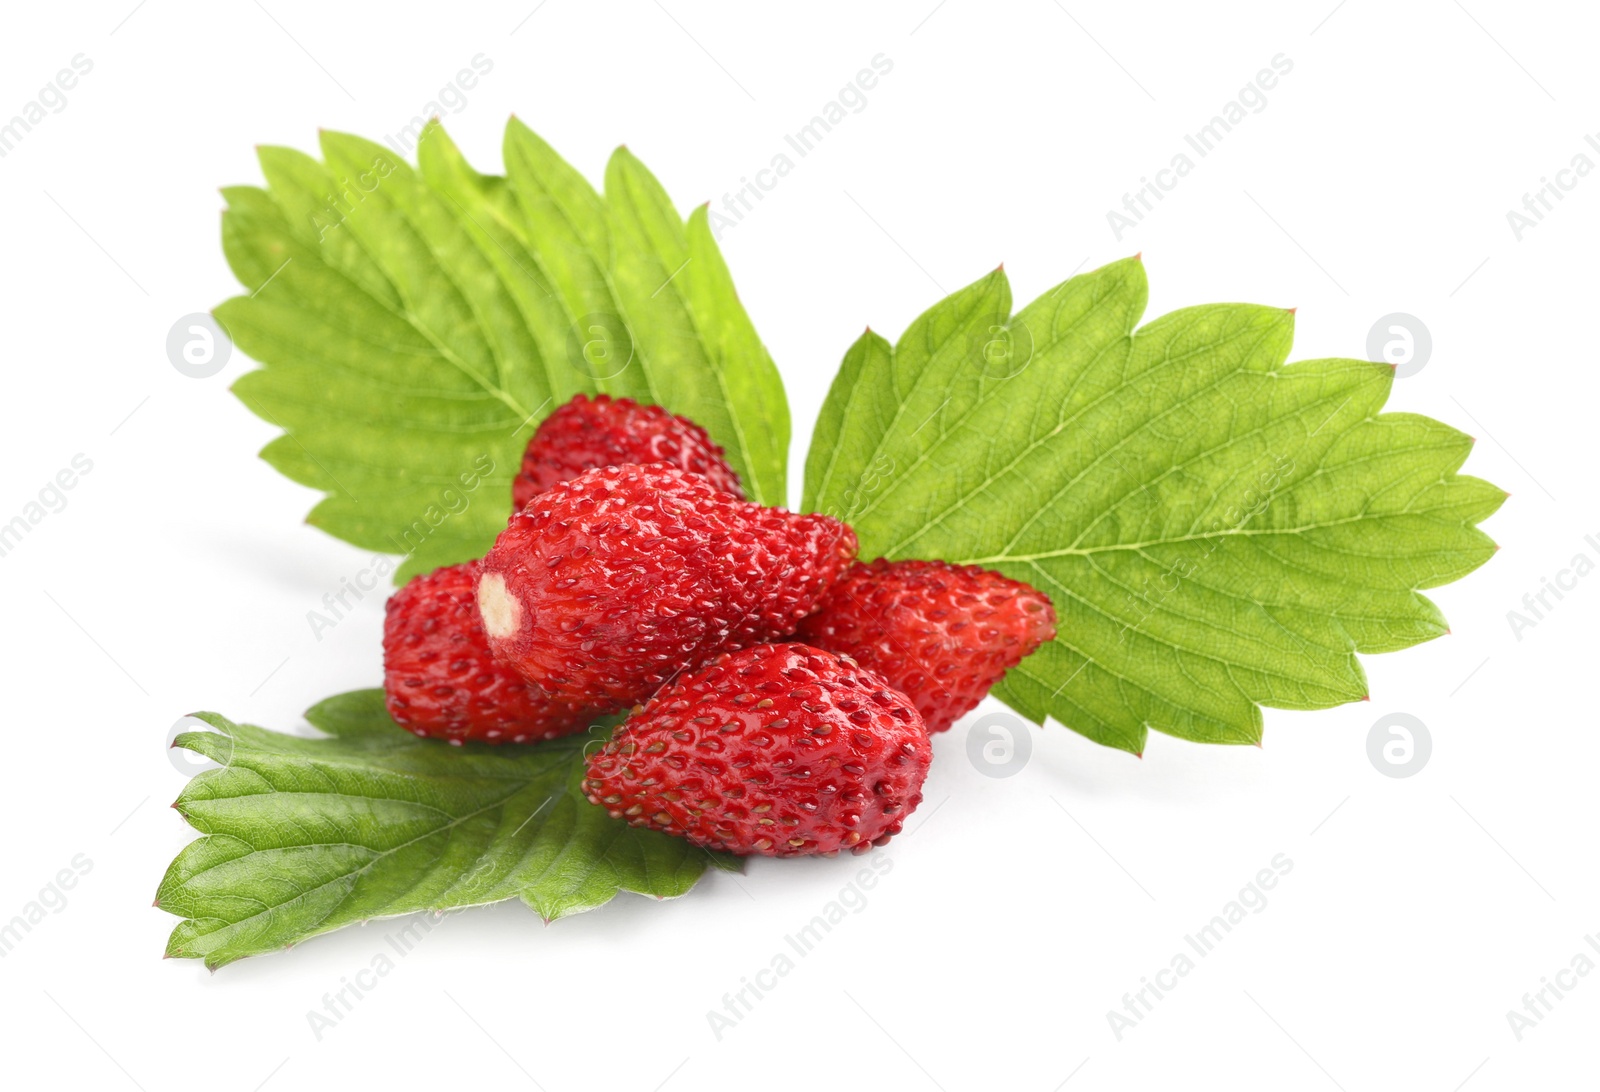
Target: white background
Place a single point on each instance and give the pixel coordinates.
(1377, 179)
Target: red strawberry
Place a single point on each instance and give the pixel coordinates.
(942, 633)
(607, 584)
(586, 433)
(782, 750)
(440, 679)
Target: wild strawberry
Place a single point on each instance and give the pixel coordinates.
(942, 633)
(605, 585)
(586, 433)
(781, 750)
(441, 680)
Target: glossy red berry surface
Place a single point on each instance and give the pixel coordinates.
(440, 679)
(780, 750)
(606, 585)
(944, 634)
(586, 433)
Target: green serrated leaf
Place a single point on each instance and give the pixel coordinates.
(304, 836)
(1218, 530)
(415, 325)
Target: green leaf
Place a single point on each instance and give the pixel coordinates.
(304, 836)
(1218, 530)
(415, 325)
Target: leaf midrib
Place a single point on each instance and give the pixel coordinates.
(983, 398)
(353, 875)
(405, 314)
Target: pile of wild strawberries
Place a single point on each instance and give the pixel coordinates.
(781, 692)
